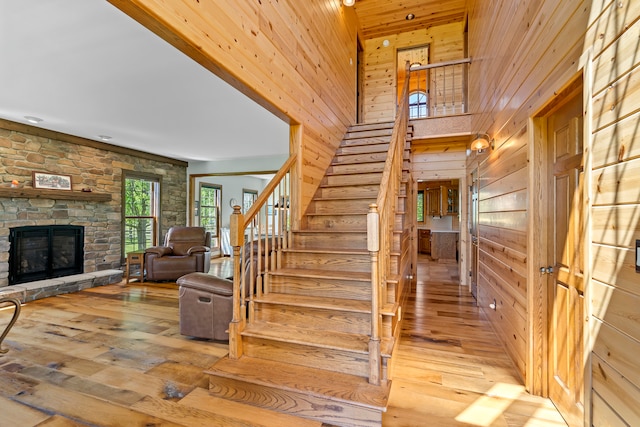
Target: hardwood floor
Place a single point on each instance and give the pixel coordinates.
(450, 370)
(112, 356)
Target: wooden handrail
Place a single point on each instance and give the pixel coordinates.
(395, 138)
(268, 190)
(442, 64)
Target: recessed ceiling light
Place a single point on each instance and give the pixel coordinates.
(34, 120)
(104, 137)
(409, 17)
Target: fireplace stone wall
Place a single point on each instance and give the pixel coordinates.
(91, 164)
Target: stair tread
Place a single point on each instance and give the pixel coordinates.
(342, 213)
(337, 304)
(330, 385)
(346, 198)
(320, 273)
(341, 341)
(328, 231)
(327, 251)
(372, 173)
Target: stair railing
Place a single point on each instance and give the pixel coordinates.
(257, 238)
(446, 84)
(380, 228)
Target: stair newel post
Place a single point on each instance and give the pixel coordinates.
(373, 246)
(236, 237)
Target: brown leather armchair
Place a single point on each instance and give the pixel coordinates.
(186, 250)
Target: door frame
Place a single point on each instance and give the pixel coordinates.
(538, 307)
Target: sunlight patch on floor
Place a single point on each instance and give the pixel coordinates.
(486, 409)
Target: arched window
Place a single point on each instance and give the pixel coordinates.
(417, 105)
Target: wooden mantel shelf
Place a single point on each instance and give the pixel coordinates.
(35, 193)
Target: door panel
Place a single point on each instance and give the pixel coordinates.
(566, 284)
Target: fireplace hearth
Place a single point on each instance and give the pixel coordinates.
(45, 252)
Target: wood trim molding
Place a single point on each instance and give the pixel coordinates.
(34, 193)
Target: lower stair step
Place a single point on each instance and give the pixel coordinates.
(330, 397)
(228, 413)
(329, 350)
(356, 343)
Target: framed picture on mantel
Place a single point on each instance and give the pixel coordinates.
(51, 181)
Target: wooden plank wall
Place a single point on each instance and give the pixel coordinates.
(446, 42)
(523, 53)
(299, 62)
(615, 294)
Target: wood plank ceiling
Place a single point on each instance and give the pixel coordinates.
(379, 18)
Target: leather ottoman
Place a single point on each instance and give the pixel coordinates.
(206, 306)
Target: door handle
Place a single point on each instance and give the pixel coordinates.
(546, 270)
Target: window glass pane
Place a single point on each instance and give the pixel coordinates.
(138, 197)
(420, 206)
(248, 197)
(209, 219)
(210, 196)
(140, 213)
(138, 234)
(417, 105)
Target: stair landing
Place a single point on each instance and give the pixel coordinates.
(317, 394)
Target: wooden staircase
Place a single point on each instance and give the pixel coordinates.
(306, 349)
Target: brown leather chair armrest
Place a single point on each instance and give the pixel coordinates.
(159, 250)
(208, 283)
(197, 250)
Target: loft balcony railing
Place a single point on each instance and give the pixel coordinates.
(439, 89)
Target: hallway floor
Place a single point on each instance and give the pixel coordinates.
(451, 370)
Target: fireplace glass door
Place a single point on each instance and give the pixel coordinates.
(44, 252)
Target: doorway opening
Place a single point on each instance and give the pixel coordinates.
(437, 218)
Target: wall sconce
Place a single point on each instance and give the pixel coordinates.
(348, 2)
(481, 142)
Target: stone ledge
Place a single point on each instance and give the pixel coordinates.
(32, 291)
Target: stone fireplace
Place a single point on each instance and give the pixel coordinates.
(45, 252)
(93, 203)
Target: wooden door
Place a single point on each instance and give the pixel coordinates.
(566, 308)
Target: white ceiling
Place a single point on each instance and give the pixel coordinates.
(87, 69)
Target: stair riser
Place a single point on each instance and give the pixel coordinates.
(314, 357)
(299, 404)
(349, 191)
(362, 149)
(374, 133)
(348, 289)
(356, 222)
(331, 240)
(356, 168)
(314, 318)
(360, 179)
(327, 261)
(341, 206)
(373, 126)
(369, 157)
